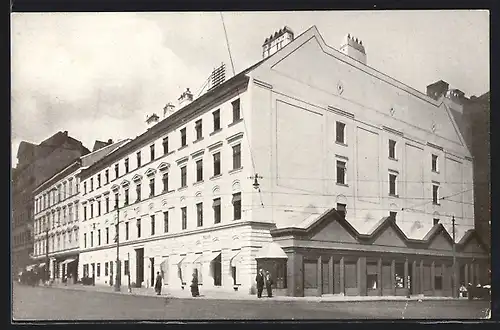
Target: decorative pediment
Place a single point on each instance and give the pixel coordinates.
(163, 167)
(137, 178)
(438, 238)
(150, 172)
(115, 187)
(125, 183)
(472, 243)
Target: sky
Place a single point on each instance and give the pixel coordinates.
(98, 75)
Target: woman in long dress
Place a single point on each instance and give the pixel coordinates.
(195, 292)
(158, 283)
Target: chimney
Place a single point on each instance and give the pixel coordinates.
(110, 141)
(168, 110)
(152, 120)
(437, 89)
(353, 48)
(185, 98)
(277, 41)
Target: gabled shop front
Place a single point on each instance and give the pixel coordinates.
(329, 257)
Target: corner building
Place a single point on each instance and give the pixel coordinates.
(358, 178)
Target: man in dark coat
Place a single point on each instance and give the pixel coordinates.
(269, 283)
(158, 283)
(195, 292)
(260, 282)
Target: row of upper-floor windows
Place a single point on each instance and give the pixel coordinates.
(22, 238)
(103, 178)
(58, 218)
(59, 242)
(56, 195)
(103, 237)
(102, 205)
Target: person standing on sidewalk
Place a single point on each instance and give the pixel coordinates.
(195, 292)
(158, 283)
(260, 282)
(269, 283)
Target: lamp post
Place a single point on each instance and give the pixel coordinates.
(117, 229)
(454, 259)
(47, 253)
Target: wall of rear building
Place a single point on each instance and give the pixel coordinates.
(323, 272)
(293, 139)
(243, 238)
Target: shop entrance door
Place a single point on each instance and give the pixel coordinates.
(152, 272)
(139, 267)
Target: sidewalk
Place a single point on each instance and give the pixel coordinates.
(224, 295)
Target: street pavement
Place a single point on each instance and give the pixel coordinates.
(45, 303)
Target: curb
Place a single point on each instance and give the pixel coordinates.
(253, 298)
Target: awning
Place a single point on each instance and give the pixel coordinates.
(271, 251)
(67, 261)
(30, 267)
(209, 257)
(177, 260)
(235, 258)
(190, 259)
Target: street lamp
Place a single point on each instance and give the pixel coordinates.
(117, 239)
(454, 259)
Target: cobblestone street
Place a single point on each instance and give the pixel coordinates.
(41, 303)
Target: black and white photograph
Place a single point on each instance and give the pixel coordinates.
(273, 165)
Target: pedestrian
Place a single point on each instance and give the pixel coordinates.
(195, 292)
(260, 282)
(158, 283)
(269, 283)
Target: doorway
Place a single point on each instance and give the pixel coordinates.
(152, 272)
(217, 268)
(139, 267)
(325, 278)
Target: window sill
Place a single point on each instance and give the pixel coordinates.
(215, 132)
(341, 143)
(198, 140)
(394, 195)
(433, 171)
(197, 183)
(235, 122)
(215, 177)
(182, 188)
(436, 204)
(342, 184)
(168, 191)
(169, 153)
(183, 147)
(394, 159)
(236, 170)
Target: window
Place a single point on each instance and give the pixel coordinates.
(126, 270)
(138, 224)
(138, 156)
(236, 206)
(434, 163)
(165, 145)
(117, 170)
(152, 225)
(217, 213)
(372, 280)
(183, 176)
(98, 181)
(107, 235)
(435, 195)
(98, 269)
(199, 170)
(138, 191)
(216, 115)
(107, 204)
(151, 187)
(126, 231)
(198, 129)
(217, 164)
(165, 182)
(392, 184)
(165, 222)
(392, 149)
(199, 214)
(91, 239)
(98, 208)
(184, 217)
(341, 169)
(106, 269)
(341, 209)
(85, 212)
(116, 201)
(393, 215)
(438, 278)
(183, 137)
(340, 133)
(152, 152)
(236, 110)
(98, 237)
(106, 175)
(126, 165)
(435, 221)
(236, 156)
(84, 190)
(126, 197)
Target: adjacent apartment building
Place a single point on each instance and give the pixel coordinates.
(335, 177)
(56, 217)
(36, 163)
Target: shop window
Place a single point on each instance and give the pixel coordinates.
(98, 269)
(399, 275)
(372, 280)
(438, 278)
(427, 278)
(350, 275)
(310, 274)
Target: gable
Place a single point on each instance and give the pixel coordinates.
(473, 246)
(389, 237)
(440, 243)
(333, 232)
(313, 71)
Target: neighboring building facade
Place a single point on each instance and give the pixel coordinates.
(358, 179)
(56, 216)
(36, 163)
